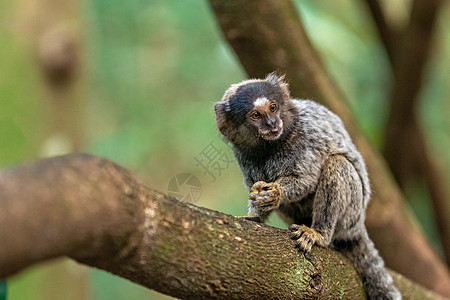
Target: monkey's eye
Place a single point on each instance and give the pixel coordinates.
(273, 107)
(255, 115)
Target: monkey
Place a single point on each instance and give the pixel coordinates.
(298, 160)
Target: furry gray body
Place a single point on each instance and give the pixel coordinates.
(298, 160)
(318, 135)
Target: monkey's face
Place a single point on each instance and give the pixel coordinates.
(255, 111)
(265, 117)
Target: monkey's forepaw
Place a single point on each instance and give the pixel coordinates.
(266, 196)
(306, 237)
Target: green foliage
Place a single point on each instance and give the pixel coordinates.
(106, 287)
(3, 289)
(22, 112)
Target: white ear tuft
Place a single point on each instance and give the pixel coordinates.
(274, 79)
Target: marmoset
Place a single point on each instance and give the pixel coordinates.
(298, 160)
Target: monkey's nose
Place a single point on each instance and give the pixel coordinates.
(271, 122)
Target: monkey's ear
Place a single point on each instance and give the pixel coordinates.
(276, 80)
(221, 109)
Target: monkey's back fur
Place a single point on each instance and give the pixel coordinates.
(298, 160)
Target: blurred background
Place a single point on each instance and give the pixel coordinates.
(136, 81)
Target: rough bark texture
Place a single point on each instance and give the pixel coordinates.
(94, 211)
(268, 35)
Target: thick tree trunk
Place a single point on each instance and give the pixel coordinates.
(94, 211)
(405, 146)
(268, 35)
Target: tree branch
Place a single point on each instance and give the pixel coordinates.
(387, 35)
(405, 145)
(95, 212)
(264, 43)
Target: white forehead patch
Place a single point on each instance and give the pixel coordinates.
(260, 102)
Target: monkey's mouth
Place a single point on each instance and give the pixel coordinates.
(272, 134)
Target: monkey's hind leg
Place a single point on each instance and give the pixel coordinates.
(377, 282)
(338, 185)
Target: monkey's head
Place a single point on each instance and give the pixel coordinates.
(255, 111)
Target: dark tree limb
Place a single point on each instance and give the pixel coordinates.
(268, 35)
(95, 212)
(406, 148)
(387, 34)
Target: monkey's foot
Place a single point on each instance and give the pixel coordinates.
(266, 196)
(306, 237)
